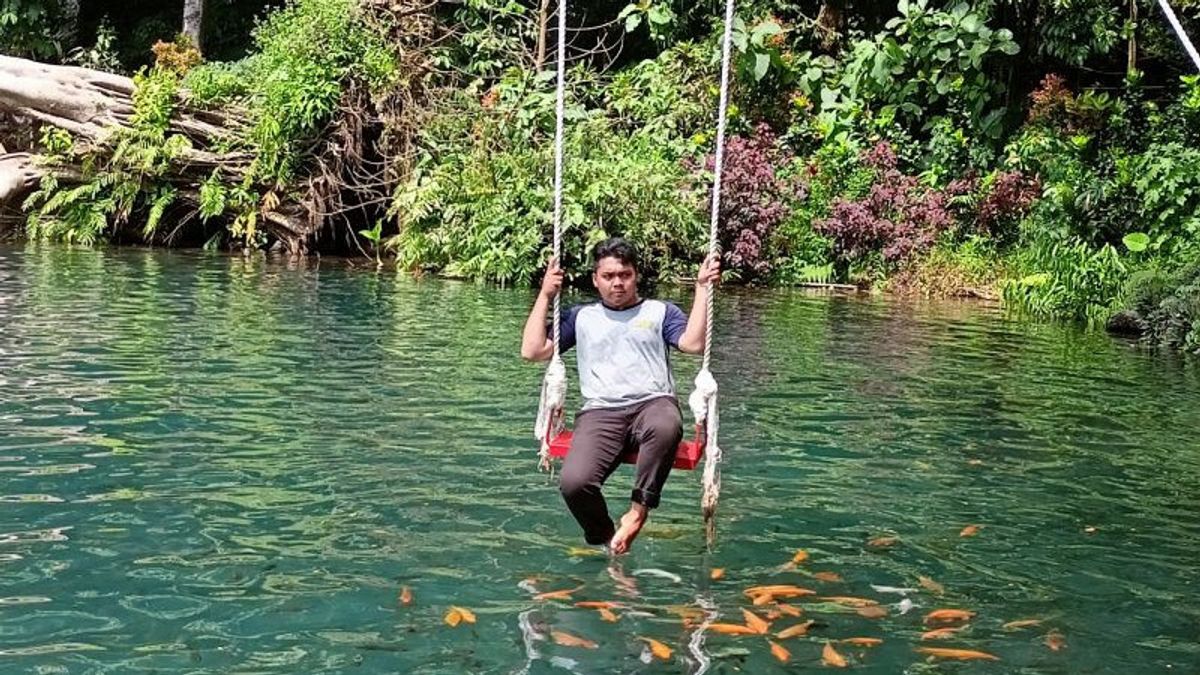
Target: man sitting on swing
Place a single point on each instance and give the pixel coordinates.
(625, 379)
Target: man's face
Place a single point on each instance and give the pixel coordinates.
(616, 281)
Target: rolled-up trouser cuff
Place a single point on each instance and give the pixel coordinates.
(647, 499)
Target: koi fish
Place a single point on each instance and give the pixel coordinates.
(948, 616)
(564, 594)
(731, 629)
(893, 589)
(800, 557)
(717, 573)
(607, 615)
(658, 649)
(405, 595)
(1021, 623)
(662, 574)
(958, 654)
(863, 641)
(941, 633)
(779, 651)
(1055, 641)
(931, 585)
(830, 657)
(831, 577)
(872, 612)
(969, 531)
(798, 629)
(597, 604)
(568, 640)
(849, 601)
(883, 542)
(788, 610)
(755, 622)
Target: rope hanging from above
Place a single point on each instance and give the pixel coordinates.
(1183, 37)
(549, 422)
(703, 401)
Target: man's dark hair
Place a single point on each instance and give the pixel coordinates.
(615, 247)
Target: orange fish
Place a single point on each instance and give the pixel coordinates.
(788, 610)
(755, 622)
(607, 615)
(762, 599)
(781, 590)
(863, 641)
(568, 640)
(1055, 640)
(798, 629)
(941, 633)
(658, 649)
(466, 614)
(827, 576)
(405, 595)
(717, 573)
(773, 614)
(883, 542)
(969, 531)
(849, 601)
(597, 604)
(453, 617)
(830, 657)
(959, 654)
(872, 612)
(931, 585)
(948, 616)
(687, 612)
(1021, 623)
(564, 594)
(731, 629)
(800, 556)
(779, 652)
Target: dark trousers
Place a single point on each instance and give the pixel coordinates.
(602, 436)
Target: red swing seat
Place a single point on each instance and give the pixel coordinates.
(687, 457)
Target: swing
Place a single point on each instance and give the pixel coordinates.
(686, 457)
(549, 429)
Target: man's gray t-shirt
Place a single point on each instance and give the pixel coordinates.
(622, 354)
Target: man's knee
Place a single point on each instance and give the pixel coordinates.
(575, 484)
(663, 424)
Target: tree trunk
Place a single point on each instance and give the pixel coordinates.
(829, 23)
(91, 104)
(68, 32)
(1131, 57)
(543, 26)
(193, 21)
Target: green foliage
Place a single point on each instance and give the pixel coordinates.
(118, 180)
(480, 203)
(28, 28)
(293, 82)
(1067, 279)
(927, 64)
(102, 55)
(1169, 304)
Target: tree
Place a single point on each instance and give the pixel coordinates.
(193, 21)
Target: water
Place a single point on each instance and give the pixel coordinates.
(213, 465)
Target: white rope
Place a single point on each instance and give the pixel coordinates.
(1183, 37)
(554, 386)
(704, 399)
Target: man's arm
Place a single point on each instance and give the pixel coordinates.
(692, 340)
(535, 344)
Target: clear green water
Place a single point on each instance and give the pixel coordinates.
(215, 465)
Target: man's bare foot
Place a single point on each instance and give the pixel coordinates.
(627, 531)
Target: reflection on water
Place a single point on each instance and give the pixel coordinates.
(213, 464)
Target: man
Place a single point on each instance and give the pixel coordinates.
(625, 379)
